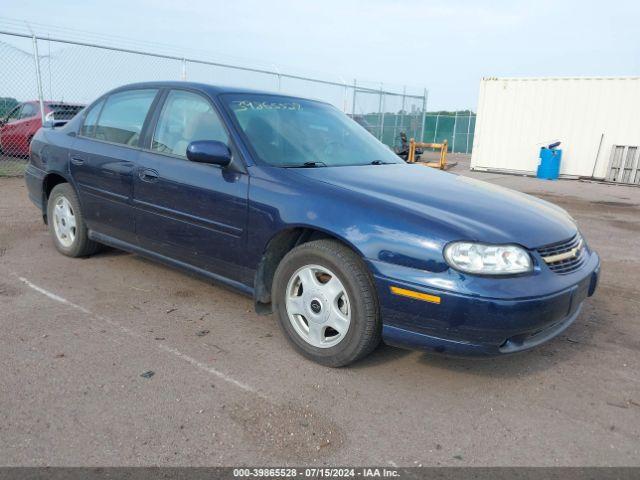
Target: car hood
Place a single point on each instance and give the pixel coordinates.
(472, 209)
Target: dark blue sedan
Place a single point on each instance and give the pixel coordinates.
(290, 201)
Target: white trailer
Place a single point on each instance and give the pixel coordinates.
(597, 119)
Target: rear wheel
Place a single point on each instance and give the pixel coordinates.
(66, 223)
(326, 303)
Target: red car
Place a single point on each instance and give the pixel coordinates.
(20, 125)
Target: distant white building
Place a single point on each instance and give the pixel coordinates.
(596, 119)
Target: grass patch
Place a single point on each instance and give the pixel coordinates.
(12, 167)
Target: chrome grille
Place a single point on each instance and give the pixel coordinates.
(564, 257)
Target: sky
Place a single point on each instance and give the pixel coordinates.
(444, 46)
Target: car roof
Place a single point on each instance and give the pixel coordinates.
(212, 90)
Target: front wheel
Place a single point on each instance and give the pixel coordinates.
(326, 303)
(66, 223)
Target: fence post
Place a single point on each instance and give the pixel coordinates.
(424, 114)
(468, 133)
(278, 76)
(345, 95)
(381, 113)
(403, 112)
(435, 131)
(453, 143)
(183, 73)
(355, 87)
(395, 120)
(36, 58)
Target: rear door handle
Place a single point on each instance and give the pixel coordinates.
(148, 175)
(76, 160)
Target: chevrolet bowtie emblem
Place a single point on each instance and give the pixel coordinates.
(573, 253)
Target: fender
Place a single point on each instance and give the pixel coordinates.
(372, 229)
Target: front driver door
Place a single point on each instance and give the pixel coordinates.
(192, 212)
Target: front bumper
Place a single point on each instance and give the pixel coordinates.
(467, 324)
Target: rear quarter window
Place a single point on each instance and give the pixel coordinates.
(123, 116)
(91, 120)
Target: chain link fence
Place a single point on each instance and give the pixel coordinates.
(387, 115)
(456, 128)
(49, 79)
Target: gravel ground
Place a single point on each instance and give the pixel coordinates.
(226, 388)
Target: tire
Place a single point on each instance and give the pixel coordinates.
(318, 307)
(72, 241)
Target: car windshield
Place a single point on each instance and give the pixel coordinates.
(293, 132)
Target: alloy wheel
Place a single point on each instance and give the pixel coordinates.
(64, 222)
(318, 306)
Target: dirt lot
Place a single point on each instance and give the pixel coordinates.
(76, 335)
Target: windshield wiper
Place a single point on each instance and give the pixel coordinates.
(379, 162)
(307, 165)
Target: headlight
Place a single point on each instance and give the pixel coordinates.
(487, 259)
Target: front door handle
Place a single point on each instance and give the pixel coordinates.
(148, 175)
(76, 160)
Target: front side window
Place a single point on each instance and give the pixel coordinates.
(186, 117)
(123, 116)
(28, 111)
(90, 120)
(293, 132)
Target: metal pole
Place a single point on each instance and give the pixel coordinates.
(380, 114)
(355, 87)
(403, 112)
(468, 133)
(453, 143)
(395, 121)
(345, 95)
(36, 58)
(49, 65)
(435, 132)
(424, 114)
(278, 75)
(183, 74)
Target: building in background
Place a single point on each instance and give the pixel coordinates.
(596, 119)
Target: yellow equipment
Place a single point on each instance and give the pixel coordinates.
(441, 164)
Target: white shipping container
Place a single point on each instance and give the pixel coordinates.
(517, 116)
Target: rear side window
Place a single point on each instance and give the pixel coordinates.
(186, 117)
(91, 119)
(123, 115)
(28, 110)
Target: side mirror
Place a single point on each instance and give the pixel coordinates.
(209, 151)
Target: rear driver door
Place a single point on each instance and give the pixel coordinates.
(103, 160)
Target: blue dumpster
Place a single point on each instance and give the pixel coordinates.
(550, 157)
